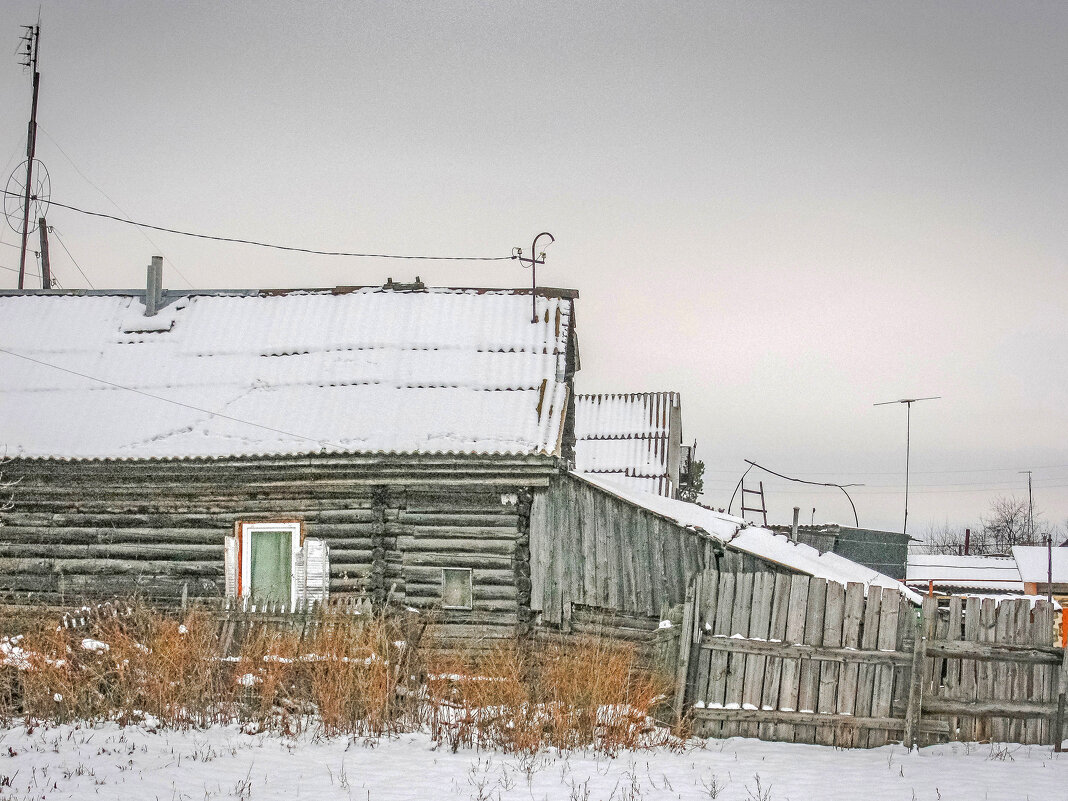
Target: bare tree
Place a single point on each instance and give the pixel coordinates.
(1007, 523)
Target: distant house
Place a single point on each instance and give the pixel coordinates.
(633, 440)
(401, 442)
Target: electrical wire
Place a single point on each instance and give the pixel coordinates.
(62, 245)
(108, 197)
(161, 398)
(14, 270)
(272, 246)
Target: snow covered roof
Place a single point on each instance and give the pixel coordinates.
(628, 438)
(215, 374)
(1033, 562)
(761, 542)
(970, 572)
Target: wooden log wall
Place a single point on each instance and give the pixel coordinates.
(593, 549)
(799, 659)
(89, 530)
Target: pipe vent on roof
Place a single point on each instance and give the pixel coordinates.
(154, 287)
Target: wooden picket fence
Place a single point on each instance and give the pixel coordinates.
(241, 618)
(798, 659)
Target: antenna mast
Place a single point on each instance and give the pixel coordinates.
(29, 44)
(908, 446)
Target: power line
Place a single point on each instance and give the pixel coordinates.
(113, 203)
(14, 270)
(161, 398)
(62, 245)
(289, 248)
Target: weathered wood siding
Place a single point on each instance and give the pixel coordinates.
(86, 530)
(592, 549)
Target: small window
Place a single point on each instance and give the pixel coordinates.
(456, 587)
(266, 555)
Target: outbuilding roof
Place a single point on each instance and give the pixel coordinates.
(760, 542)
(627, 438)
(215, 374)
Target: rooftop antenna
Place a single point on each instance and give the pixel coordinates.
(33, 196)
(908, 444)
(535, 259)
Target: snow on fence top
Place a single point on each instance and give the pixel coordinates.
(759, 542)
(366, 370)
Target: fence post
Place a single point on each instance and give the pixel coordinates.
(915, 705)
(682, 669)
(1062, 688)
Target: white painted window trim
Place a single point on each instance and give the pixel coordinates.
(247, 531)
(470, 584)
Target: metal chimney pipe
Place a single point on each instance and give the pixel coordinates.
(154, 287)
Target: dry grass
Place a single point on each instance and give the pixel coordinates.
(571, 694)
(358, 676)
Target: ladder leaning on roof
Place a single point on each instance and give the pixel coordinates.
(763, 508)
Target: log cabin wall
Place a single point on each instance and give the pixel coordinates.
(81, 530)
(597, 560)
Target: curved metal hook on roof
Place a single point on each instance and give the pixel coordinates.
(533, 262)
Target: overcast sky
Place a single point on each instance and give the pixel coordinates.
(787, 212)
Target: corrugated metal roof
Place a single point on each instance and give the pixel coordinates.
(761, 542)
(367, 370)
(657, 485)
(627, 436)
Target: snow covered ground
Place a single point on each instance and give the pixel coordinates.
(109, 762)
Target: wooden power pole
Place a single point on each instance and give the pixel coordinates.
(46, 271)
(32, 38)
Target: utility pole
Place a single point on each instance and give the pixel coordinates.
(32, 39)
(908, 446)
(46, 270)
(1030, 509)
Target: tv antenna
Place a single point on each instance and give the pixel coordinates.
(908, 440)
(535, 259)
(34, 191)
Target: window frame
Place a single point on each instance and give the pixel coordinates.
(245, 531)
(470, 587)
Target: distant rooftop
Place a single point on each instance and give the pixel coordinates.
(987, 573)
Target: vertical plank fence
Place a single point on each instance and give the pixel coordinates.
(799, 659)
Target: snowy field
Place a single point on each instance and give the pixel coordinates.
(133, 763)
